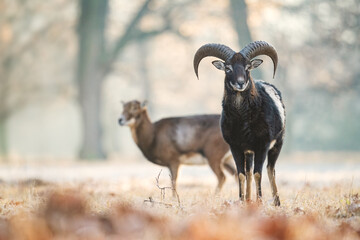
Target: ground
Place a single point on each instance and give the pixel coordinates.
(320, 199)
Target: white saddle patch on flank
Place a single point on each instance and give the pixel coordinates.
(184, 134)
(276, 98)
(192, 159)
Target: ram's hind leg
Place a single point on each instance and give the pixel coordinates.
(272, 157)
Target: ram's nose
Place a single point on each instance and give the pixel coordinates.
(240, 81)
(240, 84)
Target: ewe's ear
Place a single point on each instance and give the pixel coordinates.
(255, 63)
(219, 65)
(144, 104)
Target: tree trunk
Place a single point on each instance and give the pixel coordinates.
(143, 69)
(239, 17)
(5, 68)
(3, 138)
(90, 73)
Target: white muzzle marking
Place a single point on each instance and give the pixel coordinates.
(129, 122)
(237, 87)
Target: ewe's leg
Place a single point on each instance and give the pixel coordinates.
(272, 157)
(259, 162)
(215, 166)
(214, 158)
(249, 159)
(228, 164)
(240, 166)
(174, 168)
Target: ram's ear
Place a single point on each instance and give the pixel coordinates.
(254, 64)
(219, 64)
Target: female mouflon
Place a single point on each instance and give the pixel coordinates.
(170, 142)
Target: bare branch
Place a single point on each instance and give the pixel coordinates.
(133, 33)
(123, 40)
(163, 191)
(151, 200)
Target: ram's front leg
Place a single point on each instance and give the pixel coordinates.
(249, 159)
(240, 166)
(259, 162)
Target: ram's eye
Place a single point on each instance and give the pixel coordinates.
(228, 69)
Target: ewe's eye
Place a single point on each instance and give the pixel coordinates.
(228, 69)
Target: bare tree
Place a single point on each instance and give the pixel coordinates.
(91, 71)
(96, 58)
(16, 86)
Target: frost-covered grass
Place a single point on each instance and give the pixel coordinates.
(122, 201)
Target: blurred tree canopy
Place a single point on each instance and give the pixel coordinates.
(325, 86)
(96, 53)
(25, 28)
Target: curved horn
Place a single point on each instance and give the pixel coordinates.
(212, 49)
(260, 48)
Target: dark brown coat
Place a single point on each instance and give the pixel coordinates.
(174, 141)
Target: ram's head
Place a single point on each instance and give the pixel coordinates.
(237, 66)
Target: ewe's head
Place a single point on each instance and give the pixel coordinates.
(237, 66)
(132, 111)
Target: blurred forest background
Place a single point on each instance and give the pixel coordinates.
(66, 65)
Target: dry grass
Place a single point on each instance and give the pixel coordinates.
(133, 208)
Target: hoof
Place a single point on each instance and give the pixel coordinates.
(277, 201)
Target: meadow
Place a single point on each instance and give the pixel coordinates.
(320, 199)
